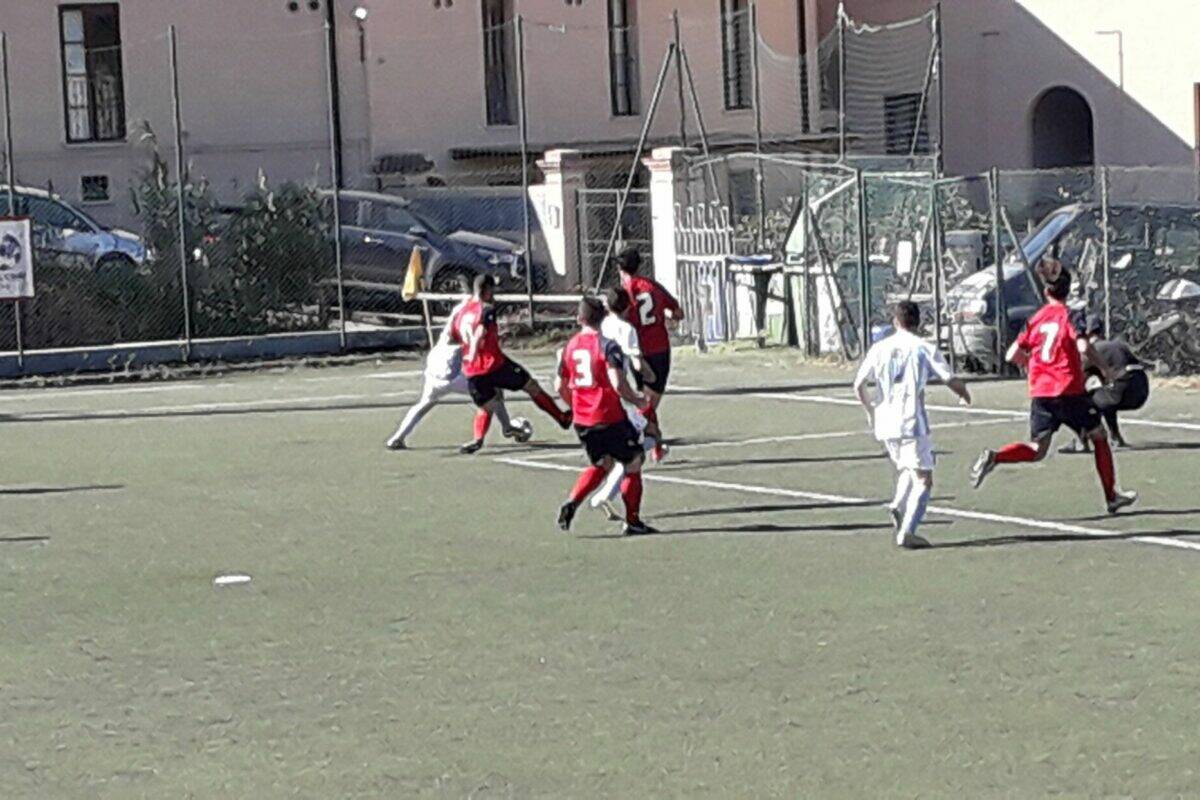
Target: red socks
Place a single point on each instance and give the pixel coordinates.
(1016, 453)
(631, 493)
(651, 414)
(547, 404)
(588, 482)
(1105, 468)
(483, 421)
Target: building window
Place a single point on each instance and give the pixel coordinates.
(500, 62)
(900, 118)
(735, 44)
(622, 58)
(94, 189)
(93, 86)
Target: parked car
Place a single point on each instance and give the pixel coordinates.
(1148, 244)
(379, 233)
(68, 237)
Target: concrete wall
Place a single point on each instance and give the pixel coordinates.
(252, 85)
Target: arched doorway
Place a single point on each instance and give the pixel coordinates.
(1062, 130)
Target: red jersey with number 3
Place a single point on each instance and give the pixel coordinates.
(1055, 366)
(584, 368)
(474, 327)
(648, 304)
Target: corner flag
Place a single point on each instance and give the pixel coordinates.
(415, 276)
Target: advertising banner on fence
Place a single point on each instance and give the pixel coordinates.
(16, 259)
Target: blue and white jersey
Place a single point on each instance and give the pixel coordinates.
(900, 366)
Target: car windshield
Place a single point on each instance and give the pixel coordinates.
(1039, 241)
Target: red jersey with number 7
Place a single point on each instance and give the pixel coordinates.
(584, 368)
(474, 327)
(1055, 366)
(648, 304)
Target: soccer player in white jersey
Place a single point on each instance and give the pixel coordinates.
(443, 377)
(900, 366)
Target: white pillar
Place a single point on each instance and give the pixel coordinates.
(555, 202)
(668, 174)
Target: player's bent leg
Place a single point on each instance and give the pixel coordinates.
(631, 493)
(904, 484)
(587, 482)
(546, 403)
(1106, 468)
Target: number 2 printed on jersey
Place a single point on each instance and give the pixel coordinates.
(645, 302)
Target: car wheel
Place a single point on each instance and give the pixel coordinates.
(115, 264)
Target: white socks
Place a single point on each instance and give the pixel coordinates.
(608, 491)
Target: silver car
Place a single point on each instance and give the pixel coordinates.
(65, 236)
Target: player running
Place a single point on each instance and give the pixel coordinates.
(444, 377)
(1050, 347)
(650, 306)
(487, 369)
(593, 384)
(617, 329)
(1128, 392)
(900, 366)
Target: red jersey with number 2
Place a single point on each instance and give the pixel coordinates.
(584, 367)
(1055, 366)
(474, 327)
(648, 304)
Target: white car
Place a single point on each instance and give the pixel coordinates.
(68, 237)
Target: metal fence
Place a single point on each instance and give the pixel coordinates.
(233, 228)
(843, 241)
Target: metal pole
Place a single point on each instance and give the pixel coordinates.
(637, 155)
(523, 120)
(998, 263)
(1105, 251)
(864, 264)
(335, 85)
(683, 137)
(180, 201)
(336, 176)
(941, 87)
(10, 174)
(935, 230)
(841, 34)
(712, 177)
(759, 177)
(806, 276)
(923, 106)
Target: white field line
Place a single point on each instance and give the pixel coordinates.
(974, 410)
(946, 511)
(283, 403)
(800, 437)
(42, 394)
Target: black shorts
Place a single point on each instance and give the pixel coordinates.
(661, 364)
(510, 375)
(619, 440)
(1128, 393)
(1048, 414)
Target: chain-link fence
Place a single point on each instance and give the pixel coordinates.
(843, 242)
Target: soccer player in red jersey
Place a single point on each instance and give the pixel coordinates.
(1051, 349)
(487, 369)
(650, 306)
(593, 383)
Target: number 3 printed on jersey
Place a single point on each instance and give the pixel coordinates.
(1049, 331)
(583, 369)
(645, 302)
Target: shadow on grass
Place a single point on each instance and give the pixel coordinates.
(776, 507)
(19, 539)
(751, 528)
(36, 490)
(1148, 512)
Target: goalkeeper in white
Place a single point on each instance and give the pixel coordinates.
(444, 377)
(900, 366)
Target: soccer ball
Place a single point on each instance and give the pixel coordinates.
(523, 429)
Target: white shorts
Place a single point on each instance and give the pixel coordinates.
(911, 453)
(436, 387)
